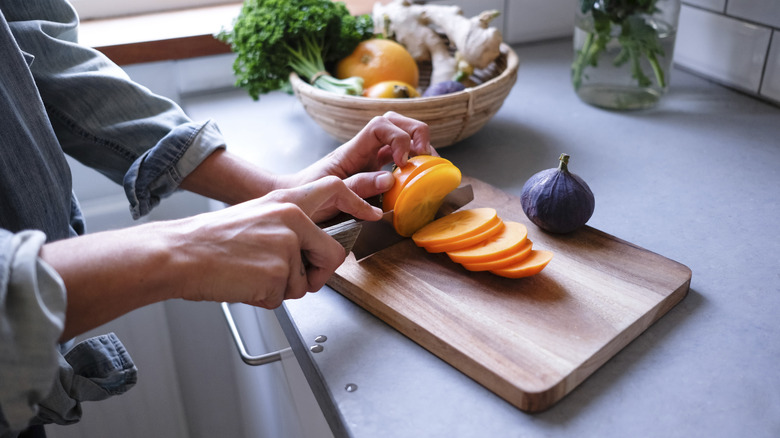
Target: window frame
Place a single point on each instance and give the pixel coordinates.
(95, 9)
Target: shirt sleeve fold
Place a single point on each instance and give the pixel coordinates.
(100, 116)
(38, 383)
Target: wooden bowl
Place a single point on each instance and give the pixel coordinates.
(451, 117)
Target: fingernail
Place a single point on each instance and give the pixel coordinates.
(384, 181)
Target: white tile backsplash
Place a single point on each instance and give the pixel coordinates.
(770, 87)
(713, 5)
(532, 20)
(723, 48)
(731, 44)
(761, 11)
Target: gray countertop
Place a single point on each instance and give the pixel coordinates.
(696, 179)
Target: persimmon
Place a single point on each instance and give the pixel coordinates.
(531, 265)
(511, 237)
(468, 241)
(456, 226)
(402, 175)
(391, 90)
(512, 258)
(377, 60)
(419, 201)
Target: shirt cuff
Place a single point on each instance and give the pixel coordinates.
(94, 369)
(159, 172)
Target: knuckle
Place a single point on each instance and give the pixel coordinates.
(331, 181)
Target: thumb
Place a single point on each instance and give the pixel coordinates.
(368, 184)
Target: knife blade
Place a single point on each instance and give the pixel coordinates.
(364, 238)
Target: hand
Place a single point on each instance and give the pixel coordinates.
(253, 252)
(389, 138)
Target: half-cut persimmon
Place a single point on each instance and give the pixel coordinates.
(402, 175)
(512, 258)
(497, 246)
(419, 201)
(531, 265)
(469, 240)
(456, 226)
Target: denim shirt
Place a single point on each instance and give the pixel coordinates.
(57, 97)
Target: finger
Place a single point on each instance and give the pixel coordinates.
(329, 193)
(321, 255)
(368, 184)
(418, 131)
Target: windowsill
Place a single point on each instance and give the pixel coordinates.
(169, 35)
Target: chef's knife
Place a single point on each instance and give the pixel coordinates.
(364, 238)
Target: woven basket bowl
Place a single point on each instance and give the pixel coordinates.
(450, 117)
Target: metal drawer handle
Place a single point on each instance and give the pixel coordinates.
(245, 356)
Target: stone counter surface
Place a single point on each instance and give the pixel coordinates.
(696, 179)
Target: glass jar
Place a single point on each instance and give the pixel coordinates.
(623, 51)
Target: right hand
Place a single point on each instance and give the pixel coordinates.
(252, 252)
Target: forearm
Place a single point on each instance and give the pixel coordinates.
(225, 177)
(111, 273)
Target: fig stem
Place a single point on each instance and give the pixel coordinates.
(563, 166)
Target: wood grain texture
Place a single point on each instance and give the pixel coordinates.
(529, 340)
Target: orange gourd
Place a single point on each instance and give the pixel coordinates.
(531, 265)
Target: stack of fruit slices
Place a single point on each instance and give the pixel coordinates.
(480, 240)
(476, 238)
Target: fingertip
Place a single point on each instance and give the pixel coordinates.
(384, 181)
(403, 159)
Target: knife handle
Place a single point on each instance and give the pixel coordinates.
(345, 234)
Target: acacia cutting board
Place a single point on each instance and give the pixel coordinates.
(530, 340)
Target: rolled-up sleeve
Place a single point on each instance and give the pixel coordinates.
(39, 383)
(102, 118)
(32, 311)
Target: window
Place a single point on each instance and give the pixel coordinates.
(111, 8)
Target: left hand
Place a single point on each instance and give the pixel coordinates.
(385, 139)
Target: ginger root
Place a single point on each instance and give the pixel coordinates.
(428, 31)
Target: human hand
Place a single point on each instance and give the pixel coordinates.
(253, 252)
(385, 139)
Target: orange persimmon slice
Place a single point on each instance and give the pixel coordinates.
(512, 258)
(456, 226)
(402, 175)
(497, 246)
(419, 201)
(531, 265)
(468, 241)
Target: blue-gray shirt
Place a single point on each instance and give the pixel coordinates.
(58, 97)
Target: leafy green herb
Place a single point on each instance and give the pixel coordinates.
(637, 38)
(274, 37)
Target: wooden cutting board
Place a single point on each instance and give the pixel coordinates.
(530, 340)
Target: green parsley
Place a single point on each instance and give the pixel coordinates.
(272, 38)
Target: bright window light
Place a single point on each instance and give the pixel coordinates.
(112, 8)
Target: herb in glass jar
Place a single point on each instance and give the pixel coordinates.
(637, 39)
